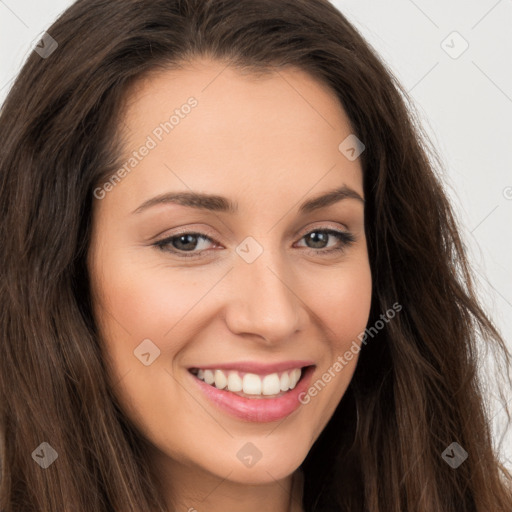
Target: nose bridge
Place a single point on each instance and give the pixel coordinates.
(262, 302)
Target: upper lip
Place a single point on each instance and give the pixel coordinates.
(254, 367)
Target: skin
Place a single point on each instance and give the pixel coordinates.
(269, 143)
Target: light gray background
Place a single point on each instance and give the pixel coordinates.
(465, 102)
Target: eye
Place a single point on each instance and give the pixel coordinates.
(190, 242)
(184, 242)
(320, 238)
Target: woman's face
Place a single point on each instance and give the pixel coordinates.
(189, 290)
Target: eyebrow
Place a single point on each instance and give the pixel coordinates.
(217, 203)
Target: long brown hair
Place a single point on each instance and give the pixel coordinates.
(416, 388)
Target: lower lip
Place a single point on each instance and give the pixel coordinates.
(260, 410)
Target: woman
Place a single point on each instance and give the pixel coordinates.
(171, 340)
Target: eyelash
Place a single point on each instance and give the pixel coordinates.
(346, 239)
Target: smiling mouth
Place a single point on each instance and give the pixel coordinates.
(251, 385)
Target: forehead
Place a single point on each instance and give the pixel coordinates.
(284, 98)
(277, 132)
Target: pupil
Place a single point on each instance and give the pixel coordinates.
(318, 235)
(189, 238)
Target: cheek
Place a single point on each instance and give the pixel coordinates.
(140, 301)
(342, 298)
(137, 303)
(342, 302)
(133, 304)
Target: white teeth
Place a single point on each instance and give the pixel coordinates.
(271, 384)
(234, 382)
(285, 381)
(294, 377)
(220, 379)
(250, 383)
(208, 377)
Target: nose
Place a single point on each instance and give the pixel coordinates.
(262, 301)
